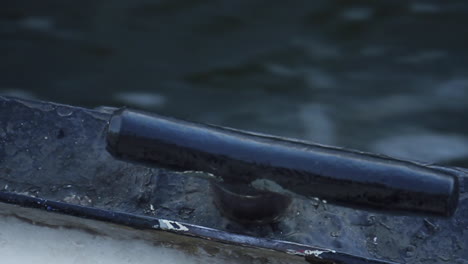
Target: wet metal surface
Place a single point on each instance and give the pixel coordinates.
(351, 178)
(58, 152)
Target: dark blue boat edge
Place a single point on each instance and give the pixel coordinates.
(310, 253)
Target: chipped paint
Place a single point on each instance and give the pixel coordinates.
(316, 253)
(294, 252)
(309, 252)
(172, 225)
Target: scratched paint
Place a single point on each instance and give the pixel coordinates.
(172, 225)
(308, 252)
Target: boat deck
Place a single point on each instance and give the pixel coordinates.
(57, 152)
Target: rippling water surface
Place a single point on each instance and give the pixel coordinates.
(386, 76)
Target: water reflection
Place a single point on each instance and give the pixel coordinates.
(386, 76)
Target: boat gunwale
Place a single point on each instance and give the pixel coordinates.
(162, 225)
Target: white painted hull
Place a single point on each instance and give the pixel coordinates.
(33, 236)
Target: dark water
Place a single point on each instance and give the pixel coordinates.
(386, 76)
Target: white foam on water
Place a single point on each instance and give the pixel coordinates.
(22, 242)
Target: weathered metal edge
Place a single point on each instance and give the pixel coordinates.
(309, 253)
